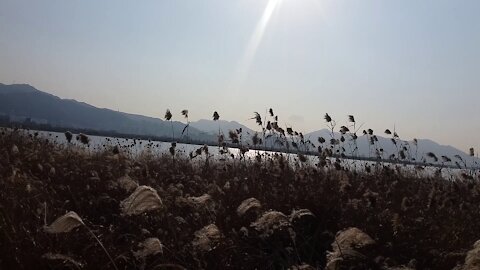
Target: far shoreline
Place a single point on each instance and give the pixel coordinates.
(114, 134)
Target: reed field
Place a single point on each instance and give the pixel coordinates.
(67, 206)
(248, 134)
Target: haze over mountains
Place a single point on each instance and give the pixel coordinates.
(22, 101)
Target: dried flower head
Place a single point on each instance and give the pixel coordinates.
(151, 246)
(207, 238)
(233, 136)
(432, 156)
(327, 118)
(15, 150)
(352, 238)
(270, 222)
(126, 183)
(168, 115)
(143, 199)
(472, 260)
(269, 126)
(348, 248)
(202, 202)
(258, 118)
(65, 223)
(68, 136)
(216, 116)
(250, 204)
(344, 129)
(83, 138)
(290, 131)
(302, 214)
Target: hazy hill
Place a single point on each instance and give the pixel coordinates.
(21, 101)
(212, 127)
(364, 148)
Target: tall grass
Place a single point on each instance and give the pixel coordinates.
(266, 213)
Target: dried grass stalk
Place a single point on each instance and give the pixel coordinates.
(64, 259)
(70, 221)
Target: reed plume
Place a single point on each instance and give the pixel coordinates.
(215, 116)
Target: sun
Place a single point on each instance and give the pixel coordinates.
(255, 39)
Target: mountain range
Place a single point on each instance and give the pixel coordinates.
(20, 102)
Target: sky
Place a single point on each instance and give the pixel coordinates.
(407, 64)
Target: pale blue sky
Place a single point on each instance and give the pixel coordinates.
(414, 64)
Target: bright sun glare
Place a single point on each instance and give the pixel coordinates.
(256, 38)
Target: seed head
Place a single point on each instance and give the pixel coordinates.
(168, 115)
(351, 118)
(68, 136)
(258, 118)
(290, 131)
(328, 118)
(65, 223)
(344, 129)
(216, 116)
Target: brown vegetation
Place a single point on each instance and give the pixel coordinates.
(157, 212)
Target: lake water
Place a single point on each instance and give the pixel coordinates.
(136, 147)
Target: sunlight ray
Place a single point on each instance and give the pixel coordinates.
(256, 39)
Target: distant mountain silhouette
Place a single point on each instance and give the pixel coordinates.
(22, 101)
(365, 149)
(212, 127)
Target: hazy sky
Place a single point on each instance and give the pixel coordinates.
(412, 64)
